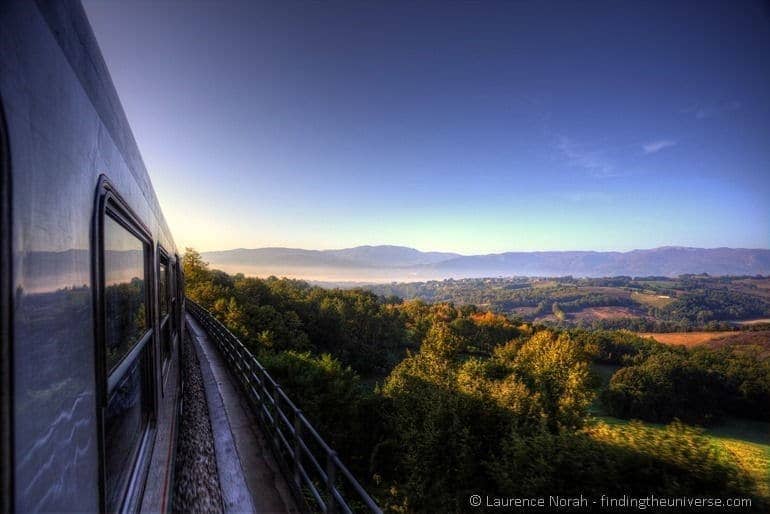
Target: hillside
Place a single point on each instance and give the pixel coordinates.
(658, 304)
(460, 398)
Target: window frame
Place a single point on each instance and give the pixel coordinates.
(179, 299)
(109, 203)
(6, 325)
(174, 289)
(164, 327)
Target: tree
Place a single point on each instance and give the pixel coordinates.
(556, 368)
(196, 270)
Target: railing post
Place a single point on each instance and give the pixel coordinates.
(261, 389)
(276, 417)
(331, 477)
(297, 448)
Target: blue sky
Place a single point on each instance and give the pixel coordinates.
(450, 126)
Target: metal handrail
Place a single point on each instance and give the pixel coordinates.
(326, 475)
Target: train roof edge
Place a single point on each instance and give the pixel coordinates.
(69, 24)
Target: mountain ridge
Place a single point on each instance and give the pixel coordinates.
(661, 261)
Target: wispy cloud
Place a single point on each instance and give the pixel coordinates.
(657, 146)
(703, 112)
(593, 160)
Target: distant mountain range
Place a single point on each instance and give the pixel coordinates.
(398, 263)
(360, 256)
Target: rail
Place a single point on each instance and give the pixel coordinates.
(331, 486)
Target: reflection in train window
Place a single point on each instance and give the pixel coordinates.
(128, 357)
(174, 299)
(163, 287)
(125, 422)
(124, 295)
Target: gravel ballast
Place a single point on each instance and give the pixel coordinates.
(197, 482)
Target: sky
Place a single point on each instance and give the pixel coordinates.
(468, 127)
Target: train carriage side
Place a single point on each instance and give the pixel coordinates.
(91, 281)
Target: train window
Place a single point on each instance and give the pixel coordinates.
(128, 360)
(163, 292)
(174, 297)
(126, 420)
(126, 319)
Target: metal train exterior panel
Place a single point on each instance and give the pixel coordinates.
(92, 285)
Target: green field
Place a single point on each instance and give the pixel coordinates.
(747, 442)
(652, 300)
(543, 284)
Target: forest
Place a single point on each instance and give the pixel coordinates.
(431, 401)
